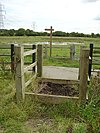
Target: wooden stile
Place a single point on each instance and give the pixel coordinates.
(19, 74)
(84, 62)
(39, 60)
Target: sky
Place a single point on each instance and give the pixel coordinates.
(81, 16)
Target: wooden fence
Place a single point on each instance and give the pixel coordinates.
(94, 58)
(7, 51)
(62, 51)
(21, 69)
(7, 56)
(17, 58)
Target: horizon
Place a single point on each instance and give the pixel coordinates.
(80, 16)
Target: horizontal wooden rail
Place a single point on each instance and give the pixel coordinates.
(54, 99)
(59, 46)
(96, 47)
(96, 51)
(5, 55)
(96, 62)
(5, 62)
(30, 66)
(5, 47)
(30, 52)
(96, 55)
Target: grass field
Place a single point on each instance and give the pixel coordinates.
(25, 39)
(31, 116)
(55, 52)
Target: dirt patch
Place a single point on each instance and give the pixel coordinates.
(57, 89)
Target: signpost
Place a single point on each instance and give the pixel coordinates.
(51, 29)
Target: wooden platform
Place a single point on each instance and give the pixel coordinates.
(64, 73)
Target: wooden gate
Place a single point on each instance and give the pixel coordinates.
(36, 66)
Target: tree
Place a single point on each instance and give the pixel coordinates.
(20, 32)
(29, 32)
(11, 32)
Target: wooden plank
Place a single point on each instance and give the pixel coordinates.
(5, 54)
(19, 73)
(84, 62)
(30, 80)
(12, 58)
(60, 81)
(34, 58)
(96, 47)
(5, 62)
(96, 51)
(30, 66)
(5, 46)
(39, 60)
(96, 55)
(30, 52)
(96, 62)
(90, 60)
(54, 99)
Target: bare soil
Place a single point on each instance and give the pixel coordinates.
(57, 89)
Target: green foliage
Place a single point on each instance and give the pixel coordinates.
(28, 32)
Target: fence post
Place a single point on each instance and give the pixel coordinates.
(12, 58)
(90, 60)
(45, 51)
(72, 52)
(19, 73)
(81, 47)
(84, 62)
(34, 57)
(39, 60)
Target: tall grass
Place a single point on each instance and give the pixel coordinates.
(32, 116)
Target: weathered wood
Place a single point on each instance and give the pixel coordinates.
(81, 47)
(34, 57)
(19, 73)
(54, 99)
(72, 52)
(51, 29)
(61, 81)
(90, 60)
(5, 54)
(30, 52)
(84, 62)
(46, 51)
(12, 57)
(30, 66)
(30, 80)
(39, 60)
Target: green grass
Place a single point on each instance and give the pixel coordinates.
(25, 39)
(32, 116)
(62, 52)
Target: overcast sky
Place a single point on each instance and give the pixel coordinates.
(63, 15)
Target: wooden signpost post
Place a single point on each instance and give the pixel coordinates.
(51, 29)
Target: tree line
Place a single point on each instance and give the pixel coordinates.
(28, 32)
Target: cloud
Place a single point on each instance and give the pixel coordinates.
(88, 1)
(97, 18)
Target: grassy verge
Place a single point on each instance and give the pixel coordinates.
(31, 116)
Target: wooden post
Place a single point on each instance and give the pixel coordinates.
(90, 60)
(34, 57)
(72, 52)
(19, 73)
(39, 60)
(81, 47)
(12, 58)
(46, 52)
(84, 62)
(51, 29)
